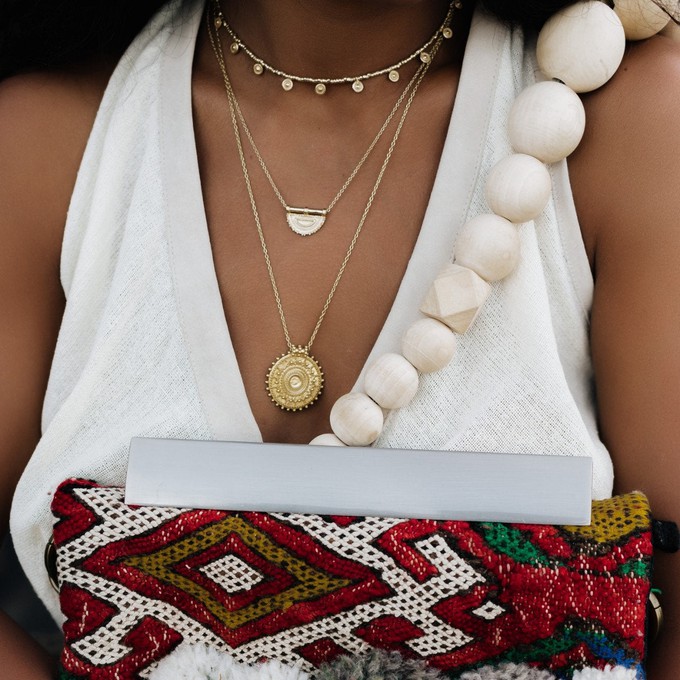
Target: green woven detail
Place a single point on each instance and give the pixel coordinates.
(562, 641)
(601, 644)
(635, 568)
(512, 542)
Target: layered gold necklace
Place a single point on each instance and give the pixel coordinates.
(295, 379)
(306, 221)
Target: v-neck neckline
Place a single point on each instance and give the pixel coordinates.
(202, 318)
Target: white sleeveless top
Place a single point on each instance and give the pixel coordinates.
(144, 349)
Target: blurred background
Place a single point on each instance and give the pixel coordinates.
(19, 601)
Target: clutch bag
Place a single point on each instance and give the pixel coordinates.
(136, 582)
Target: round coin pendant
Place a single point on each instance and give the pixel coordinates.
(287, 84)
(358, 86)
(234, 48)
(320, 88)
(393, 76)
(425, 57)
(258, 69)
(218, 23)
(295, 380)
(447, 33)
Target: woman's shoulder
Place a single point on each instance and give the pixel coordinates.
(45, 121)
(645, 90)
(627, 168)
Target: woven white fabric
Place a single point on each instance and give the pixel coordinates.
(144, 349)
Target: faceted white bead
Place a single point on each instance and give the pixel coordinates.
(391, 381)
(489, 245)
(356, 419)
(547, 121)
(581, 45)
(518, 188)
(429, 345)
(640, 18)
(455, 297)
(327, 440)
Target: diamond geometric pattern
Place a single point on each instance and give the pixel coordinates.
(135, 582)
(488, 611)
(231, 574)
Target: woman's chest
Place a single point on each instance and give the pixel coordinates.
(335, 288)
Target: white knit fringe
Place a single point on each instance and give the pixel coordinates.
(608, 673)
(511, 671)
(200, 662)
(508, 671)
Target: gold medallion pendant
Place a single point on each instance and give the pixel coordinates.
(295, 380)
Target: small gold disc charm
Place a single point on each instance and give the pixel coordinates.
(258, 69)
(295, 380)
(425, 57)
(218, 22)
(234, 48)
(358, 86)
(287, 84)
(320, 88)
(447, 33)
(393, 76)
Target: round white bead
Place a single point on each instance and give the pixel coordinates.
(640, 18)
(581, 45)
(429, 345)
(326, 440)
(391, 381)
(518, 188)
(547, 121)
(356, 419)
(489, 245)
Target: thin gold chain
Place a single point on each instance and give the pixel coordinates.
(352, 175)
(219, 54)
(346, 79)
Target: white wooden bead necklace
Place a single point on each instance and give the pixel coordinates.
(579, 49)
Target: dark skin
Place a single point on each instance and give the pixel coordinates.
(376, 267)
(624, 175)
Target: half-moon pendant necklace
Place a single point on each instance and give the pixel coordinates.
(295, 379)
(307, 221)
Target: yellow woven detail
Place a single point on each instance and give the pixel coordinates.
(308, 583)
(615, 518)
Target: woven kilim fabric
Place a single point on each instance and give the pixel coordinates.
(136, 582)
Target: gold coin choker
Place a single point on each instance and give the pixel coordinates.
(320, 85)
(295, 379)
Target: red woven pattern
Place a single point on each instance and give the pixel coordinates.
(136, 581)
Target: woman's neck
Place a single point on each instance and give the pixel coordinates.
(334, 38)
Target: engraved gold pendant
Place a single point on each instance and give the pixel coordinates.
(305, 221)
(295, 380)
